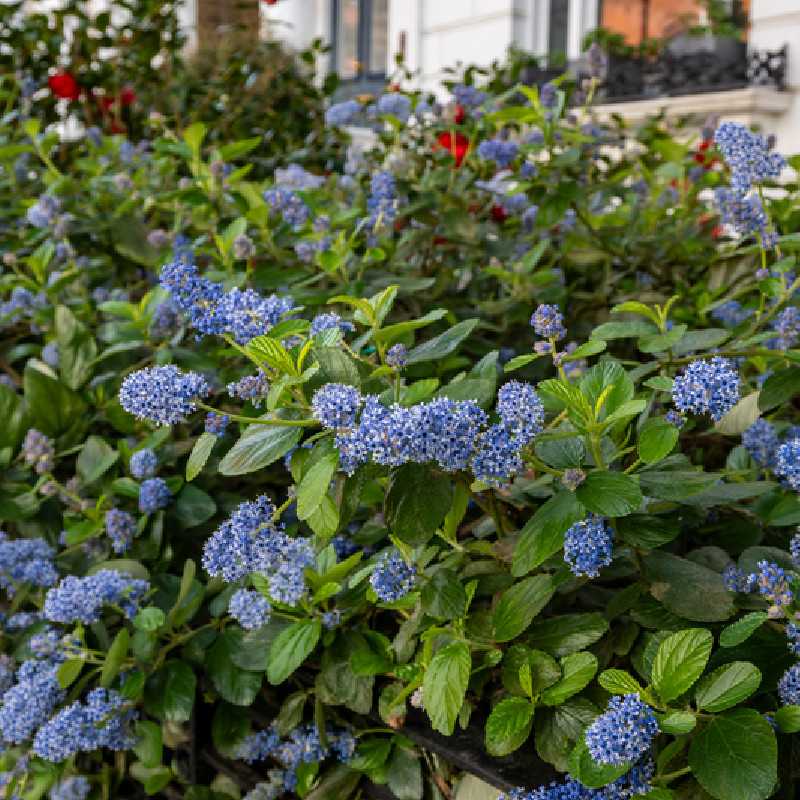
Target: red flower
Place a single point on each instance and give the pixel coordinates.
(127, 96)
(64, 86)
(716, 232)
(459, 115)
(499, 214)
(457, 147)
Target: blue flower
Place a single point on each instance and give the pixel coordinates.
(336, 405)
(342, 113)
(731, 313)
(217, 424)
(746, 214)
(761, 441)
(248, 314)
(154, 494)
(143, 463)
(104, 721)
(327, 322)
(382, 202)
(82, 599)
(787, 326)
(397, 356)
(548, 95)
(396, 104)
(75, 787)
(468, 96)
(520, 409)
(25, 561)
(548, 322)
(707, 387)
(623, 733)
(392, 578)
(250, 609)
(331, 619)
(787, 463)
(251, 387)
(38, 451)
(501, 151)
(588, 545)
(748, 155)
(789, 686)
(44, 211)
(163, 395)
(120, 528)
(29, 703)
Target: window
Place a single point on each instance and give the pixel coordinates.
(557, 38)
(360, 40)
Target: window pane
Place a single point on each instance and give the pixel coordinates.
(347, 39)
(379, 36)
(559, 20)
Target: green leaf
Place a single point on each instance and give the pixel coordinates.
(611, 494)
(618, 681)
(585, 769)
(609, 381)
(740, 417)
(519, 361)
(199, 455)
(519, 605)
(149, 745)
(194, 507)
(68, 672)
(543, 533)
(169, 693)
(624, 330)
(391, 333)
(659, 342)
(680, 661)
(417, 501)
(95, 459)
(675, 485)
(193, 136)
(727, 686)
(445, 684)
(688, 589)
(779, 388)
(404, 775)
(114, 659)
(234, 684)
(677, 722)
(270, 351)
(735, 756)
(508, 726)
(702, 340)
(577, 671)
(291, 649)
(443, 596)
(787, 719)
(258, 447)
(568, 633)
(656, 440)
(442, 345)
(77, 348)
(314, 485)
(149, 619)
(54, 409)
(741, 630)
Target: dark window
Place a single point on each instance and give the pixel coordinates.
(557, 37)
(360, 41)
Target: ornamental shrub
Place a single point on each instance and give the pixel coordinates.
(486, 431)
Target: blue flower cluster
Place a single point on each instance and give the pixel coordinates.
(75, 787)
(104, 721)
(342, 113)
(382, 202)
(771, 581)
(328, 322)
(252, 387)
(250, 609)
(396, 104)
(746, 214)
(82, 599)
(143, 463)
(636, 782)
(216, 424)
(446, 432)
(501, 151)
(154, 494)
(548, 322)
(250, 542)
(163, 395)
(623, 733)
(789, 686)
(283, 197)
(588, 545)
(21, 304)
(468, 96)
(761, 441)
(25, 561)
(793, 636)
(731, 313)
(707, 387)
(787, 463)
(397, 356)
(243, 313)
(44, 211)
(737, 581)
(120, 528)
(392, 578)
(748, 155)
(787, 326)
(38, 451)
(301, 746)
(29, 703)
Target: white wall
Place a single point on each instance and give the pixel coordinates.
(774, 23)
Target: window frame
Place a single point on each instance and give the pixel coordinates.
(365, 77)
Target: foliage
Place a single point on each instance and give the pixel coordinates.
(424, 457)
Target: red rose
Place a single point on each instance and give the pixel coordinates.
(64, 86)
(127, 96)
(499, 214)
(457, 147)
(459, 115)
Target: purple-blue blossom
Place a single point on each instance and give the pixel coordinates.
(520, 410)
(548, 322)
(789, 686)
(38, 451)
(154, 494)
(216, 424)
(30, 701)
(623, 733)
(342, 113)
(249, 608)
(76, 787)
(501, 151)
(26, 561)
(120, 528)
(251, 387)
(163, 395)
(82, 599)
(707, 387)
(588, 546)
(336, 405)
(397, 356)
(143, 463)
(392, 577)
(761, 441)
(787, 463)
(396, 104)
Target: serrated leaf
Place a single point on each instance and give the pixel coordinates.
(680, 661)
